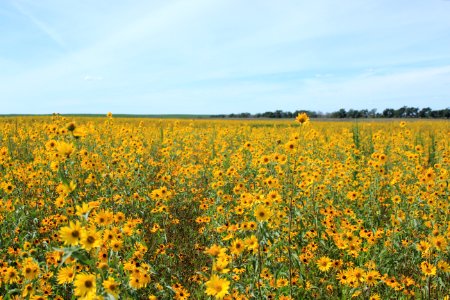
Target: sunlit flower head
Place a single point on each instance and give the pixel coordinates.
(302, 118)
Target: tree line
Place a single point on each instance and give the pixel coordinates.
(402, 112)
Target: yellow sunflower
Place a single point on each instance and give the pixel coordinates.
(262, 213)
(85, 284)
(71, 234)
(111, 287)
(217, 287)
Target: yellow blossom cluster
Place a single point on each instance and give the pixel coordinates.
(134, 208)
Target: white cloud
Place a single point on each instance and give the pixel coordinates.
(42, 26)
(381, 90)
(231, 55)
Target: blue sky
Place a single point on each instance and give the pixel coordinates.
(222, 56)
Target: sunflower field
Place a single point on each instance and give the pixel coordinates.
(129, 208)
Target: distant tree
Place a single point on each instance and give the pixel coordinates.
(447, 113)
(400, 113)
(364, 113)
(268, 114)
(412, 112)
(435, 114)
(278, 113)
(425, 112)
(388, 113)
(341, 114)
(441, 113)
(312, 114)
(352, 113)
(373, 113)
(288, 115)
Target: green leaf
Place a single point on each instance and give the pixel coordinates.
(82, 257)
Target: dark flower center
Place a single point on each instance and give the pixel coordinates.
(88, 284)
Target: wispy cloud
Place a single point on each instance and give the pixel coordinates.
(223, 56)
(42, 26)
(382, 90)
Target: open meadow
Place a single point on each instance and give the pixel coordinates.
(106, 207)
